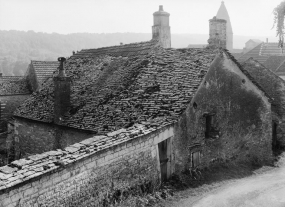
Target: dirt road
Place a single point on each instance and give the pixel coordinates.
(266, 189)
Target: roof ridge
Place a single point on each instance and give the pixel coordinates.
(246, 73)
(280, 66)
(250, 50)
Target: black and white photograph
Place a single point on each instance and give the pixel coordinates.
(142, 103)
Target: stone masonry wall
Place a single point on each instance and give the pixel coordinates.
(88, 173)
(36, 137)
(241, 120)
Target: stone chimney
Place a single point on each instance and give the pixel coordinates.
(218, 33)
(161, 28)
(61, 92)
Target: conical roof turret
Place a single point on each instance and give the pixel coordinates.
(223, 14)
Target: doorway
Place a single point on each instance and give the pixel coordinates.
(164, 149)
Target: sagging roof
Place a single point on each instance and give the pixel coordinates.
(44, 69)
(13, 85)
(112, 92)
(270, 82)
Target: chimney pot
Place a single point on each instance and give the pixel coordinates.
(160, 7)
(61, 67)
(266, 40)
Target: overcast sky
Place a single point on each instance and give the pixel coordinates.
(248, 17)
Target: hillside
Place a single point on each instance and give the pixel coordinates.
(17, 48)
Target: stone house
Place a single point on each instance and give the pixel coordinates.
(205, 93)
(216, 108)
(147, 110)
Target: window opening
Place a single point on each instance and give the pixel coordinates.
(211, 131)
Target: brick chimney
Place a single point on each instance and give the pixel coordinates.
(61, 92)
(218, 33)
(161, 28)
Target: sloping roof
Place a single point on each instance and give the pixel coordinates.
(274, 62)
(262, 52)
(254, 40)
(44, 69)
(270, 82)
(13, 85)
(109, 92)
(127, 50)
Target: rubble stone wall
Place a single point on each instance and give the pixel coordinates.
(92, 180)
(35, 137)
(241, 128)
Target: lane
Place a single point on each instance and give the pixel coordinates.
(262, 190)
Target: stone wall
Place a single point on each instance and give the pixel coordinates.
(241, 128)
(218, 33)
(35, 137)
(89, 173)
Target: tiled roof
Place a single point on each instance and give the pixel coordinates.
(44, 69)
(127, 50)
(12, 85)
(281, 68)
(254, 53)
(271, 83)
(109, 93)
(262, 52)
(273, 62)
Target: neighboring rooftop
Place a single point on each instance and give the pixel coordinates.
(262, 52)
(111, 92)
(274, 62)
(254, 40)
(44, 69)
(13, 85)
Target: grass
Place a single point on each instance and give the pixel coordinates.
(183, 186)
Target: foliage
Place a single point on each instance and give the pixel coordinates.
(279, 14)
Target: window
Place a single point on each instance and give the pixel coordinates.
(211, 131)
(195, 159)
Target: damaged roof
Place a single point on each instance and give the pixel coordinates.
(272, 84)
(13, 85)
(112, 92)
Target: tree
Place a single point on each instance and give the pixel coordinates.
(279, 14)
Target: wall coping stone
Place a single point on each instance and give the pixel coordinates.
(24, 171)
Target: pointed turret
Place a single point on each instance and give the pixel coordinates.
(223, 14)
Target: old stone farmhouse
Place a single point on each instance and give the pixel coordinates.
(129, 116)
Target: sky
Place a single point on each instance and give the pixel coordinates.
(248, 17)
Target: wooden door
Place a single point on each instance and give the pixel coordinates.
(164, 159)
